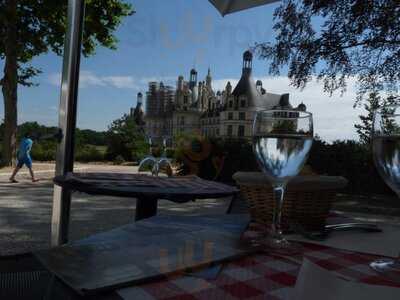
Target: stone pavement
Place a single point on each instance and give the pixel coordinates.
(25, 210)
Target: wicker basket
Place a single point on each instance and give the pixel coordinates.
(307, 202)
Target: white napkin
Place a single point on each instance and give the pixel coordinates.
(386, 243)
(315, 283)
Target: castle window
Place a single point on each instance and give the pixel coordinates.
(182, 121)
(230, 130)
(185, 99)
(241, 130)
(242, 115)
(217, 131)
(242, 103)
(230, 104)
(230, 116)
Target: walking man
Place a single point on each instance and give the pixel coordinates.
(24, 158)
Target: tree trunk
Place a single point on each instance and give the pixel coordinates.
(10, 84)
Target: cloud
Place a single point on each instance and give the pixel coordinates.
(91, 79)
(334, 116)
(120, 82)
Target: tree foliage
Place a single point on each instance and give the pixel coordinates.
(41, 27)
(373, 103)
(336, 40)
(364, 128)
(125, 139)
(29, 28)
(351, 160)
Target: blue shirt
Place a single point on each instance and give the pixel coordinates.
(25, 148)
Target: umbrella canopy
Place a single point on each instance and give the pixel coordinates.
(230, 6)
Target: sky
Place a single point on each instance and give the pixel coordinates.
(164, 39)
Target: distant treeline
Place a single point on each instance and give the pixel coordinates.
(121, 142)
(38, 132)
(89, 143)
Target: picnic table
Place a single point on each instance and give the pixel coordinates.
(145, 188)
(165, 257)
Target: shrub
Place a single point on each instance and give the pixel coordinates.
(125, 139)
(215, 159)
(119, 160)
(351, 160)
(170, 152)
(239, 156)
(88, 153)
(44, 151)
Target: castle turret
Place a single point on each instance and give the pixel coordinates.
(246, 86)
(138, 113)
(228, 88)
(208, 79)
(302, 107)
(179, 85)
(139, 100)
(193, 78)
(260, 88)
(247, 62)
(259, 85)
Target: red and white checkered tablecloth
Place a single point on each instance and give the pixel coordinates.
(262, 276)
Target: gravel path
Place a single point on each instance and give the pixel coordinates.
(25, 211)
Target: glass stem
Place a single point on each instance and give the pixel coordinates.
(279, 192)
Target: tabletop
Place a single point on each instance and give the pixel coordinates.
(145, 250)
(172, 245)
(260, 276)
(176, 188)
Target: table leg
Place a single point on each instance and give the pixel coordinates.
(146, 207)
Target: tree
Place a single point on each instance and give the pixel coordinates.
(125, 138)
(335, 40)
(374, 102)
(29, 28)
(365, 127)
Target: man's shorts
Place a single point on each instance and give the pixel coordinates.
(27, 161)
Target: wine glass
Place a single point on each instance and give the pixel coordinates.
(282, 140)
(164, 163)
(386, 154)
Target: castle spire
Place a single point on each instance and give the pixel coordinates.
(208, 78)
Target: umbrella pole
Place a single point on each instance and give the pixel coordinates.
(67, 120)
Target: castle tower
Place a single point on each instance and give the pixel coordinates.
(208, 79)
(228, 88)
(260, 88)
(139, 101)
(247, 62)
(152, 99)
(259, 85)
(192, 78)
(201, 95)
(302, 107)
(246, 86)
(138, 113)
(179, 85)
